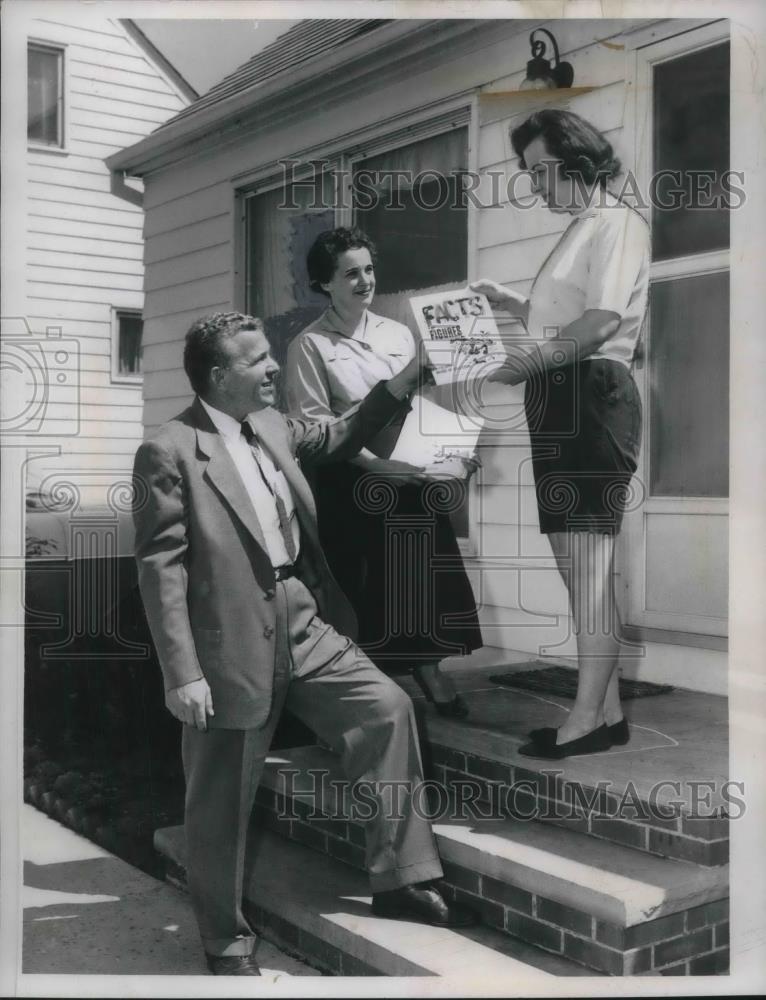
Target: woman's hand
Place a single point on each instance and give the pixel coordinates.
(501, 297)
(454, 467)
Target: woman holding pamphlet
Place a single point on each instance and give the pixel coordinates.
(583, 317)
(383, 522)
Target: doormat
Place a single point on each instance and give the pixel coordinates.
(563, 681)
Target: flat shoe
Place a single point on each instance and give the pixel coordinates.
(423, 903)
(543, 735)
(619, 733)
(232, 965)
(593, 742)
(455, 708)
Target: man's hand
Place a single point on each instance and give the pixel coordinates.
(410, 377)
(191, 703)
(403, 473)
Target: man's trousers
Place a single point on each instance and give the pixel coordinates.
(326, 681)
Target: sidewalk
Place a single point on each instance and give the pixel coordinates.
(88, 912)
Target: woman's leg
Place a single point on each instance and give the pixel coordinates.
(584, 560)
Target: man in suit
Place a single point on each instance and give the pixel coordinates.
(247, 619)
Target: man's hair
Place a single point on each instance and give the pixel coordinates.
(583, 151)
(204, 348)
(322, 258)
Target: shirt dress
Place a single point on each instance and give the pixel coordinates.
(391, 546)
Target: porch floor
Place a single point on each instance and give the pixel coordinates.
(679, 737)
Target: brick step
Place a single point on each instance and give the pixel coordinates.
(319, 909)
(613, 909)
(664, 793)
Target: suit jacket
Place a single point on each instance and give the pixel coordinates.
(206, 579)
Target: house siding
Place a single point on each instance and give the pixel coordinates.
(84, 244)
(191, 259)
(190, 226)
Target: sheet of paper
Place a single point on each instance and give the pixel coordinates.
(459, 333)
(432, 433)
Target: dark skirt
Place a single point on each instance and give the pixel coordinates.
(394, 553)
(585, 430)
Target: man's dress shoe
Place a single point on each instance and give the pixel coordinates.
(232, 965)
(421, 902)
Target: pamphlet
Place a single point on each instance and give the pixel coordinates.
(435, 437)
(459, 333)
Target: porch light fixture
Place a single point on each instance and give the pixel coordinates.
(540, 74)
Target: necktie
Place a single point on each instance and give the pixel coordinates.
(285, 528)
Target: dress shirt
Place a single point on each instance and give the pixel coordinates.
(600, 262)
(261, 497)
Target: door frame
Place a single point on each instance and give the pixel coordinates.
(647, 51)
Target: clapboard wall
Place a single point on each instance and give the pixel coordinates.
(191, 256)
(84, 242)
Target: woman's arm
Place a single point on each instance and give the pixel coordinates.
(500, 297)
(308, 397)
(619, 255)
(576, 342)
(306, 389)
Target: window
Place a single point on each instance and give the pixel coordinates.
(689, 311)
(407, 198)
(691, 142)
(127, 330)
(418, 220)
(281, 225)
(45, 95)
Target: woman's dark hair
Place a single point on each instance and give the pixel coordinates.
(204, 348)
(322, 258)
(581, 148)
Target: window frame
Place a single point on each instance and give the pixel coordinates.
(339, 156)
(61, 49)
(646, 49)
(390, 143)
(118, 377)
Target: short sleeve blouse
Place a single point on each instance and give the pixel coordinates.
(327, 371)
(600, 262)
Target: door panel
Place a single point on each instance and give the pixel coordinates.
(692, 544)
(673, 552)
(689, 386)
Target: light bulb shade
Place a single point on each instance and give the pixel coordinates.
(539, 84)
(539, 75)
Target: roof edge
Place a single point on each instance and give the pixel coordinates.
(177, 78)
(139, 157)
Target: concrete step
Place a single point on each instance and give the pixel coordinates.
(612, 908)
(319, 909)
(666, 792)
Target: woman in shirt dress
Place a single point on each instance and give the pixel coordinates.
(584, 318)
(384, 524)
